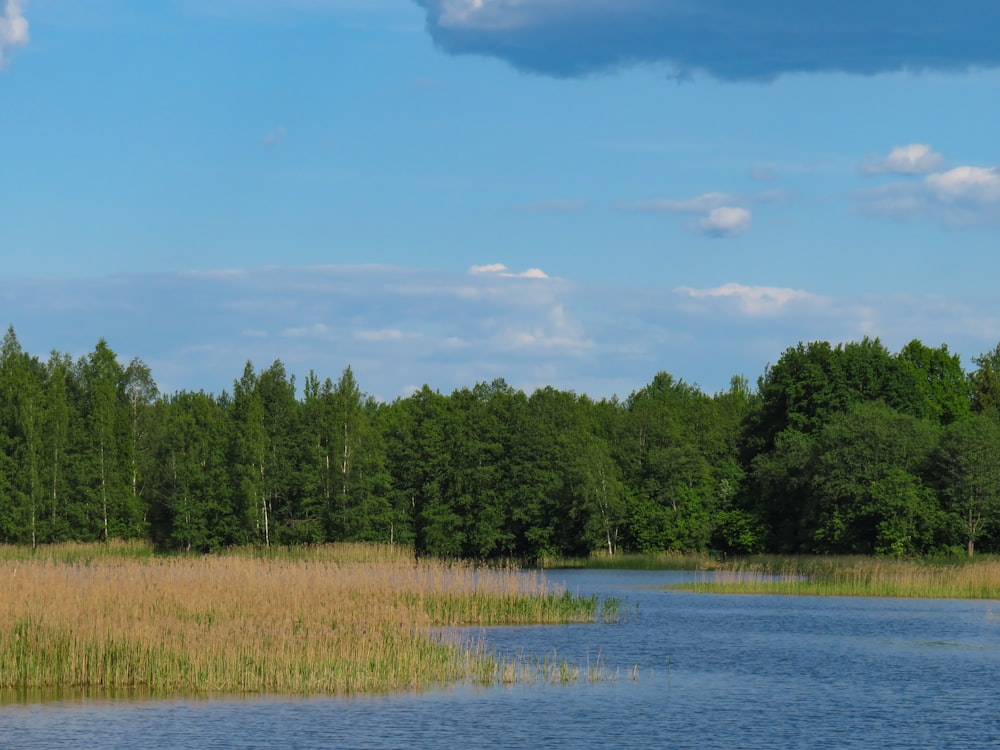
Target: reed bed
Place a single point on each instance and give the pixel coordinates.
(340, 552)
(668, 560)
(79, 552)
(242, 623)
(856, 577)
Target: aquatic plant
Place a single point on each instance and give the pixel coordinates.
(669, 560)
(856, 576)
(246, 623)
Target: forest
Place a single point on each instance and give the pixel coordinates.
(846, 448)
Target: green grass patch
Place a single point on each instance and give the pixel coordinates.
(78, 553)
(652, 561)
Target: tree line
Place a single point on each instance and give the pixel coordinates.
(846, 448)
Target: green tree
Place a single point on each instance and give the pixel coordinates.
(808, 387)
(188, 477)
(781, 492)
(248, 459)
(377, 517)
(20, 441)
(812, 382)
(967, 467)
(140, 392)
(419, 456)
(108, 460)
(57, 461)
(738, 528)
(361, 509)
(600, 502)
(934, 384)
(668, 447)
(546, 430)
(984, 382)
(486, 414)
(345, 465)
(294, 515)
(866, 481)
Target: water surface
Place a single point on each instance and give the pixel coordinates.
(713, 672)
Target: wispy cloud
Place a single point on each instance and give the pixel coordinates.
(763, 174)
(698, 204)
(964, 196)
(399, 328)
(725, 221)
(915, 158)
(316, 330)
(729, 39)
(501, 270)
(722, 215)
(757, 300)
(388, 335)
(275, 137)
(13, 29)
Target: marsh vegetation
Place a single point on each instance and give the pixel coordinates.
(955, 578)
(330, 620)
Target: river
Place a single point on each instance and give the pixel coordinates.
(693, 671)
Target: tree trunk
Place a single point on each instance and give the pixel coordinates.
(104, 493)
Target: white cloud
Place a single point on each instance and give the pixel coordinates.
(557, 331)
(398, 326)
(966, 184)
(961, 197)
(499, 269)
(754, 300)
(489, 268)
(915, 158)
(385, 334)
(532, 273)
(725, 221)
(722, 216)
(13, 29)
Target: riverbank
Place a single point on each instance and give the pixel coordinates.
(325, 620)
(948, 578)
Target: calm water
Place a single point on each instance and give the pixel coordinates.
(714, 672)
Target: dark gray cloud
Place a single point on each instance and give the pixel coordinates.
(728, 39)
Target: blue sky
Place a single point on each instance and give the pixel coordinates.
(576, 193)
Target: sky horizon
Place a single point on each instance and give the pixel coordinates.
(444, 192)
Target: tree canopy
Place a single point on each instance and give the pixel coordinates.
(840, 448)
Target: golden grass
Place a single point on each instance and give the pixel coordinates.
(856, 577)
(241, 623)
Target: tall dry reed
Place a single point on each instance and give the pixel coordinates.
(857, 576)
(240, 623)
